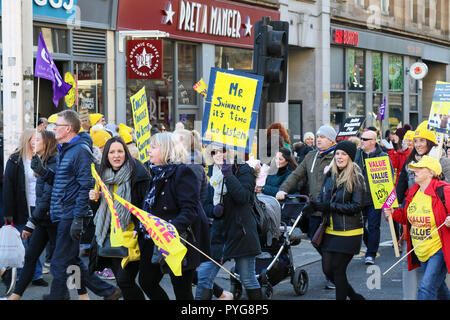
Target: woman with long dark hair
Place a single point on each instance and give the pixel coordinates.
(341, 205)
(39, 229)
(127, 177)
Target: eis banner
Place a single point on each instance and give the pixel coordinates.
(141, 121)
(231, 109)
(381, 182)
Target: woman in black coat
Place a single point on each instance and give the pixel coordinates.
(173, 196)
(234, 186)
(39, 229)
(340, 202)
(127, 177)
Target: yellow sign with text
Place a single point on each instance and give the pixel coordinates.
(141, 121)
(232, 108)
(381, 182)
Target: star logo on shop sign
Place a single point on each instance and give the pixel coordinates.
(248, 27)
(169, 14)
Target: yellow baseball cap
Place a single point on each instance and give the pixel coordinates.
(94, 118)
(52, 118)
(409, 135)
(99, 137)
(423, 132)
(125, 133)
(429, 163)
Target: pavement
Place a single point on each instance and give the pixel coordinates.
(366, 280)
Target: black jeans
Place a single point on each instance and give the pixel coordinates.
(334, 265)
(126, 279)
(38, 241)
(150, 275)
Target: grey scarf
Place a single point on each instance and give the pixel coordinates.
(102, 220)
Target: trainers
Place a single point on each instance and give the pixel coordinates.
(106, 274)
(330, 285)
(40, 283)
(226, 296)
(369, 260)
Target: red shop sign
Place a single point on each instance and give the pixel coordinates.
(346, 37)
(144, 59)
(221, 22)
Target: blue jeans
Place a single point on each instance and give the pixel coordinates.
(66, 254)
(245, 266)
(26, 243)
(433, 281)
(371, 235)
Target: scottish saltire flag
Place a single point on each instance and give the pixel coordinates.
(46, 68)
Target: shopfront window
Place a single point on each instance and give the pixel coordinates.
(337, 69)
(395, 110)
(233, 58)
(377, 71)
(90, 86)
(395, 73)
(377, 99)
(159, 91)
(187, 75)
(355, 70)
(56, 40)
(356, 102)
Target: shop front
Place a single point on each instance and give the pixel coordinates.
(75, 33)
(194, 36)
(368, 67)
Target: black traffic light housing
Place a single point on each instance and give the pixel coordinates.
(270, 56)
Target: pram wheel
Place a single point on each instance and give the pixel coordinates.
(267, 291)
(235, 287)
(300, 281)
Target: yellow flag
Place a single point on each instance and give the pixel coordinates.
(163, 234)
(116, 236)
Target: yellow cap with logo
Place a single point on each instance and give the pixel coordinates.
(423, 132)
(429, 163)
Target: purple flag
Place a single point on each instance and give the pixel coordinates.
(46, 68)
(382, 110)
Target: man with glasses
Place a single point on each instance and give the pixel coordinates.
(370, 149)
(69, 206)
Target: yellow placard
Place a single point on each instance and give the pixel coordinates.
(439, 118)
(141, 121)
(69, 98)
(163, 234)
(116, 235)
(381, 182)
(201, 88)
(231, 109)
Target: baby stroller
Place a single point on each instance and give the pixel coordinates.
(276, 262)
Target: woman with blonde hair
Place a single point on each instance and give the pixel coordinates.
(340, 202)
(173, 196)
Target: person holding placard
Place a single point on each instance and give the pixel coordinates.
(369, 149)
(341, 203)
(428, 227)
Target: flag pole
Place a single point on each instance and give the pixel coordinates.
(37, 114)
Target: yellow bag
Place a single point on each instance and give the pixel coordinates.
(134, 254)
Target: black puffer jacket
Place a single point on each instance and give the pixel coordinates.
(345, 207)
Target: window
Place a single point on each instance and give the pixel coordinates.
(187, 75)
(377, 71)
(233, 58)
(159, 91)
(56, 40)
(337, 69)
(395, 110)
(395, 73)
(356, 103)
(377, 99)
(355, 70)
(90, 86)
(414, 11)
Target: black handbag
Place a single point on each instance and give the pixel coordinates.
(316, 240)
(106, 251)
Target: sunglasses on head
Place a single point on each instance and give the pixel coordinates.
(366, 139)
(214, 152)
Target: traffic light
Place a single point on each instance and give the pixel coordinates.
(270, 56)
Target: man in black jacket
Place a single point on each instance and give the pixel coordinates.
(370, 149)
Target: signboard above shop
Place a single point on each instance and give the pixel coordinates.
(207, 21)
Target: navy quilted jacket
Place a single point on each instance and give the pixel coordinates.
(72, 179)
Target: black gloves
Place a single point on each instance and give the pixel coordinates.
(76, 228)
(37, 166)
(323, 207)
(227, 170)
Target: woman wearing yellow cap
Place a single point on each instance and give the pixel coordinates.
(424, 141)
(425, 213)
